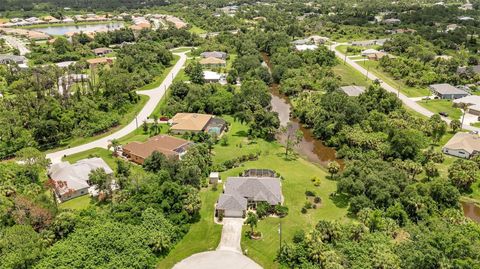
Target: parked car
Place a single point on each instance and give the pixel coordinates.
(445, 114)
(426, 98)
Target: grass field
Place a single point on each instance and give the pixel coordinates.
(77, 203)
(350, 76)
(373, 67)
(297, 173)
(439, 105)
(196, 30)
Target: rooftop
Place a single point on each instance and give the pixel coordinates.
(190, 121)
(167, 145)
(445, 88)
(464, 141)
(212, 60)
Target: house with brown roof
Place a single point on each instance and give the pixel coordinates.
(171, 147)
(463, 145)
(195, 123)
(96, 61)
(102, 51)
(213, 62)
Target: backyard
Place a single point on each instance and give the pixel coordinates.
(297, 175)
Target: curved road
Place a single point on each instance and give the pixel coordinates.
(155, 95)
(406, 100)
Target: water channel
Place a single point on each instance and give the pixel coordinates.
(309, 147)
(63, 29)
(315, 151)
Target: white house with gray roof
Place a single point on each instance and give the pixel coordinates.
(241, 193)
(463, 145)
(72, 180)
(10, 58)
(447, 91)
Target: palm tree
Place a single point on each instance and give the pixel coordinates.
(252, 221)
(463, 106)
(115, 144)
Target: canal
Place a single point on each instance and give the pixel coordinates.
(309, 147)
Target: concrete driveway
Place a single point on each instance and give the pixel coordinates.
(231, 235)
(228, 254)
(155, 95)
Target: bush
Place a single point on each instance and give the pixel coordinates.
(308, 205)
(220, 216)
(314, 206)
(310, 193)
(263, 209)
(281, 210)
(304, 210)
(317, 199)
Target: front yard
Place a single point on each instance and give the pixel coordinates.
(440, 105)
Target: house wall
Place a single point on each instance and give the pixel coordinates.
(457, 153)
(72, 195)
(474, 112)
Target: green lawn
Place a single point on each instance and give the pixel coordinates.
(140, 136)
(374, 68)
(440, 105)
(178, 50)
(204, 235)
(476, 124)
(196, 30)
(105, 154)
(349, 75)
(77, 203)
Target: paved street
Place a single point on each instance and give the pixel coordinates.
(155, 95)
(16, 43)
(228, 254)
(406, 100)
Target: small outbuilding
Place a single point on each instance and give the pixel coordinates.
(353, 90)
(214, 177)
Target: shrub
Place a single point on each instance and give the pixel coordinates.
(281, 210)
(308, 205)
(220, 216)
(263, 209)
(317, 199)
(314, 206)
(310, 193)
(304, 210)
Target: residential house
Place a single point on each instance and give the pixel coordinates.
(305, 47)
(451, 27)
(377, 56)
(171, 147)
(463, 145)
(214, 77)
(72, 180)
(212, 62)
(99, 61)
(318, 39)
(102, 51)
(10, 59)
(391, 21)
(195, 123)
(214, 54)
(353, 90)
(367, 52)
(472, 102)
(367, 43)
(242, 193)
(475, 70)
(466, 6)
(447, 91)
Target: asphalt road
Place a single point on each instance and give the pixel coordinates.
(406, 100)
(155, 95)
(16, 43)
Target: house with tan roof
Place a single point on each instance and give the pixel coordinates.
(96, 61)
(463, 145)
(213, 62)
(102, 51)
(171, 147)
(195, 123)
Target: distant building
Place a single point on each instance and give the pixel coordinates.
(12, 59)
(195, 123)
(102, 51)
(214, 54)
(391, 21)
(242, 193)
(353, 90)
(447, 91)
(72, 180)
(367, 43)
(472, 102)
(99, 61)
(475, 69)
(369, 51)
(466, 6)
(305, 47)
(463, 145)
(213, 62)
(214, 77)
(169, 146)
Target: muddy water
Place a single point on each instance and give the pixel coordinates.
(471, 210)
(312, 149)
